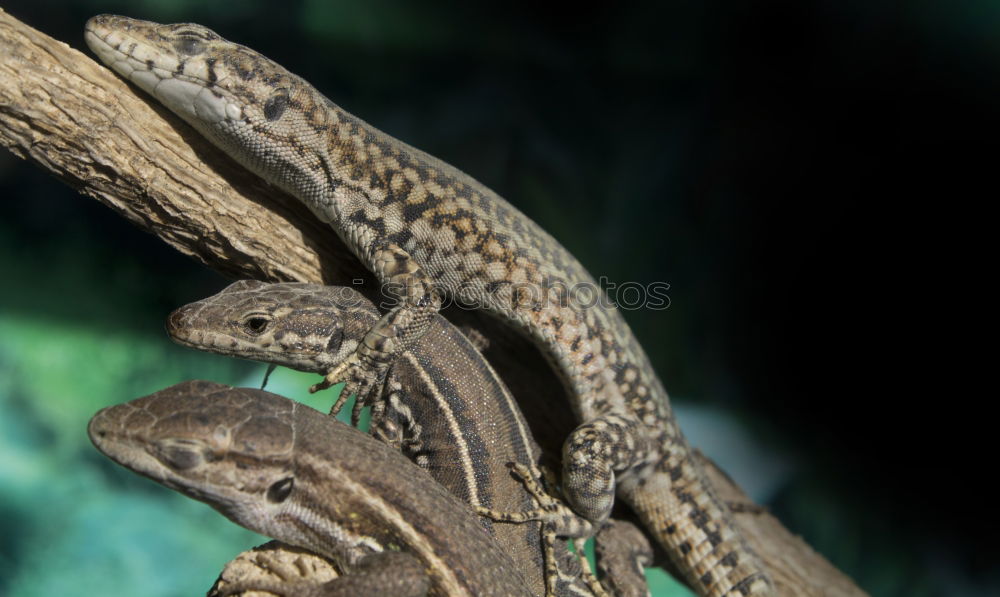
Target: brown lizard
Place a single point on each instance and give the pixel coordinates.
(428, 232)
(285, 470)
(441, 404)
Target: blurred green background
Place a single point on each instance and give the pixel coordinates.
(767, 160)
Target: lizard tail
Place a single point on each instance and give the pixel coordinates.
(685, 515)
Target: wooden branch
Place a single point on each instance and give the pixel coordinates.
(271, 562)
(82, 123)
(795, 567)
(71, 116)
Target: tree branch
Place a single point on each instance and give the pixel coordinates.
(79, 121)
(74, 118)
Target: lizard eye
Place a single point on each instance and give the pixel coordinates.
(255, 324)
(189, 46)
(280, 490)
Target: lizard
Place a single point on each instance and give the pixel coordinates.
(441, 404)
(288, 471)
(430, 233)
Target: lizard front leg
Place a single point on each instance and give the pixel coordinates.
(406, 283)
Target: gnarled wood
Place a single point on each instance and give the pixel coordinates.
(82, 123)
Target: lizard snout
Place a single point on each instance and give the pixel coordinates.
(177, 322)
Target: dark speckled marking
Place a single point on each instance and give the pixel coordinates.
(212, 76)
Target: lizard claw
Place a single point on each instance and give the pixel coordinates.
(364, 369)
(360, 378)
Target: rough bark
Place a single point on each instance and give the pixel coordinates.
(74, 118)
(795, 567)
(271, 562)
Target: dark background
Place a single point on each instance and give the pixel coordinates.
(805, 175)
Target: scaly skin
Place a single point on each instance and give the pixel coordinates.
(441, 404)
(287, 471)
(425, 228)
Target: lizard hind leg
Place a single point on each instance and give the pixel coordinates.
(598, 450)
(622, 553)
(550, 511)
(557, 521)
(557, 583)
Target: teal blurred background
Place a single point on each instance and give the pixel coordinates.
(769, 161)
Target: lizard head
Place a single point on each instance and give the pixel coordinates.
(246, 453)
(303, 326)
(268, 119)
(228, 447)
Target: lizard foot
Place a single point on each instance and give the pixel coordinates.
(365, 368)
(553, 513)
(557, 521)
(594, 453)
(361, 378)
(622, 553)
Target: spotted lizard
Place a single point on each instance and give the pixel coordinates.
(431, 233)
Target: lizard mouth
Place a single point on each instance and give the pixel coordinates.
(180, 329)
(176, 325)
(178, 84)
(109, 432)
